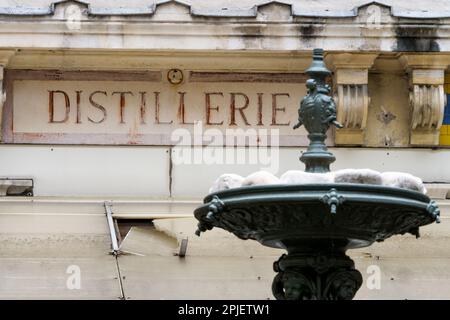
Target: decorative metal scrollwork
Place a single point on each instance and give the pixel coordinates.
(433, 209)
(215, 207)
(298, 279)
(333, 199)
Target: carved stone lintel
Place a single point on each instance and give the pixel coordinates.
(351, 94)
(427, 97)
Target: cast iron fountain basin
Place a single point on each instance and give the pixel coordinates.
(316, 224)
(282, 216)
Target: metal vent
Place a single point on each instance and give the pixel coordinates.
(16, 187)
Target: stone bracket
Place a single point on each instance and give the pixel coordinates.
(427, 102)
(351, 94)
(427, 97)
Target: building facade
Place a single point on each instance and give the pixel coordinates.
(131, 109)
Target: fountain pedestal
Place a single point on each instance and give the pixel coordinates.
(328, 275)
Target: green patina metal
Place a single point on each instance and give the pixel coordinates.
(316, 113)
(316, 223)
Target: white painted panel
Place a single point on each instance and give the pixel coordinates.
(44, 223)
(75, 215)
(406, 278)
(89, 171)
(36, 266)
(245, 278)
(196, 277)
(144, 171)
(46, 278)
(194, 179)
(430, 165)
(87, 205)
(54, 245)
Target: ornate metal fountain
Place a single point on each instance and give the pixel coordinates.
(316, 223)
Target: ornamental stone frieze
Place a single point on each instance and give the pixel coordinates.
(351, 94)
(427, 97)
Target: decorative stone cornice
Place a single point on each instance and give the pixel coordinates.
(297, 8)
(351, 94)
(286, 25)
(427, 96)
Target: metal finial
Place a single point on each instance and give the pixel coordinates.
(317, 112)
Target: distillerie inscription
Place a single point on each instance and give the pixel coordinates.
(220, 108)
(145, 112)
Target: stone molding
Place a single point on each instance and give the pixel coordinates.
(184, 25)
(220, 9)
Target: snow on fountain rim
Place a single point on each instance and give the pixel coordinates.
(399, 180)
